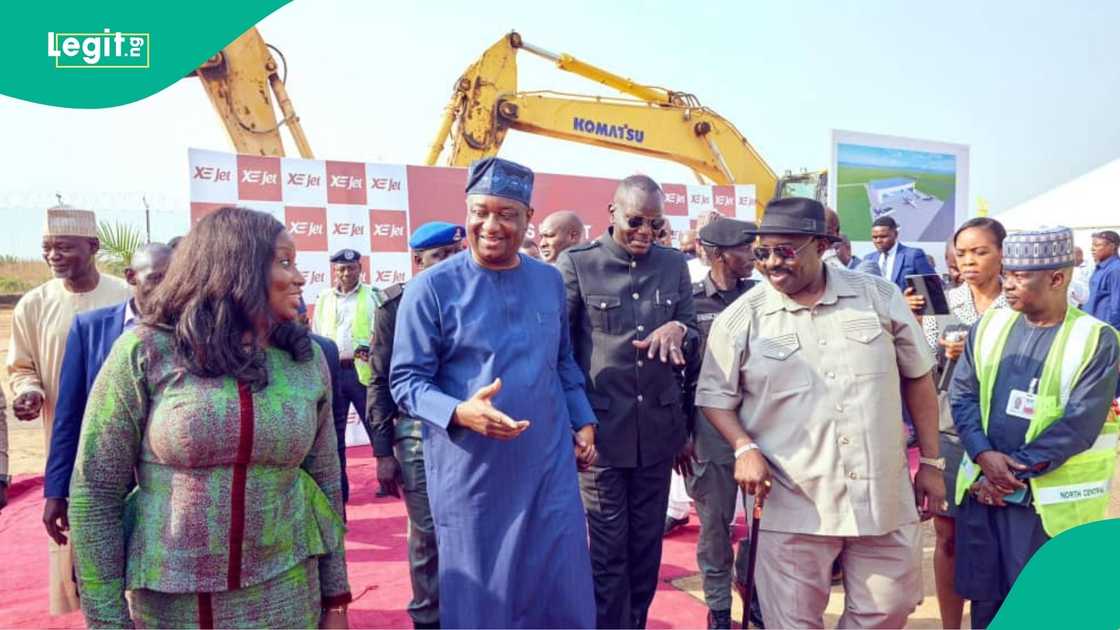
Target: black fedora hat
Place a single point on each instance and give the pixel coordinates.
(795, 215)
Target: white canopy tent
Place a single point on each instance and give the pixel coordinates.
(1087, 204)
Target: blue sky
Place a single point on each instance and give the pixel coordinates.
(862, 155)
(1030, 86)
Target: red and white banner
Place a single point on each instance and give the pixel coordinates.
(372, 208)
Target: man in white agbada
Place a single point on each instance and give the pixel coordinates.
(40, 324)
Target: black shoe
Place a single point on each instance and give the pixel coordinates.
(673, 523)
(425, 626)
(719, 619)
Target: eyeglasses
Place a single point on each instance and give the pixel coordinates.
(785, 252)
(637, 222)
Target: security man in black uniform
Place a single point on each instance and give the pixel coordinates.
(630, 310)
(399, 450)
(710, 473)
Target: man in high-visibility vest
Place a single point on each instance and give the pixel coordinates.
(344, 314)
(1031, 399)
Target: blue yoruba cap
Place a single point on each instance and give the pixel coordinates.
(500, 178)
(435, 234)
(1031, 250)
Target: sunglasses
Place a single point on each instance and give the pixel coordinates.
(637, 222)
(785, 252)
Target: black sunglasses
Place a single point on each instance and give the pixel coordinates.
(637, 222)
(785, 252)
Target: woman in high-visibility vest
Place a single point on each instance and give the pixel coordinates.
(1031, 399)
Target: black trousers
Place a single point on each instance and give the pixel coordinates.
(626, 519)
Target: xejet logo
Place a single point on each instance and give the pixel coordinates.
(100, 50)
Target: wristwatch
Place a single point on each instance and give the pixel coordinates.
(936, 462)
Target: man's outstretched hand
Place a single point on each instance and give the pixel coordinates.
(478, 414)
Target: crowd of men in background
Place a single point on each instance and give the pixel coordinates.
(750, 361)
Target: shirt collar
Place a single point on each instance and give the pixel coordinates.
(1109, 262)
(893, 250)
(612, 246)
(710, 288)
(836, 286)
(357, 287)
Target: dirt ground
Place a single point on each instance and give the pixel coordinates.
(27, 454)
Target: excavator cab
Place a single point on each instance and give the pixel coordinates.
(811, 184)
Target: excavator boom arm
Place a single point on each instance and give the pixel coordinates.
(669, 125)
(697, 138)
(241, 82)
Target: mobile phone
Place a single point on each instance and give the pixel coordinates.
(1019, 497)
(929, 286)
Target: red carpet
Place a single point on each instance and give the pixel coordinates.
(375, 551)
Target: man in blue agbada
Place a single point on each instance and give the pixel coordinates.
(482, 354)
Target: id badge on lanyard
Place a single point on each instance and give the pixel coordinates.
(1021, 404)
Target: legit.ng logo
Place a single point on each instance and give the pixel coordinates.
(106, 49)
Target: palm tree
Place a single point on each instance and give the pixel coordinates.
(118, 242)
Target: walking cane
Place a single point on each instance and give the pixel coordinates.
(746, 586)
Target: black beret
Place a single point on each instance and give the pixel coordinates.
(727, 233)
(346, 256)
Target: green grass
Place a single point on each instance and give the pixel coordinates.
(855, 212)
(19, 275)
(852, 203)
(15, 285)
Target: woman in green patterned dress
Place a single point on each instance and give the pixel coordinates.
(218, 407)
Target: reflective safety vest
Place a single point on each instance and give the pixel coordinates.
(1076, 492)
(326, 322)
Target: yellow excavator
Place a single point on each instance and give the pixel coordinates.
(245, 85)
(242, 80)
(485, 104)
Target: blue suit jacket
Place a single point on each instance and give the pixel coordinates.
(91, 337)
(908, 261)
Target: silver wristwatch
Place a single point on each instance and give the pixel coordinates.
(936, 462)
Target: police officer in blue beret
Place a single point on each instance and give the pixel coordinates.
(397, 439)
